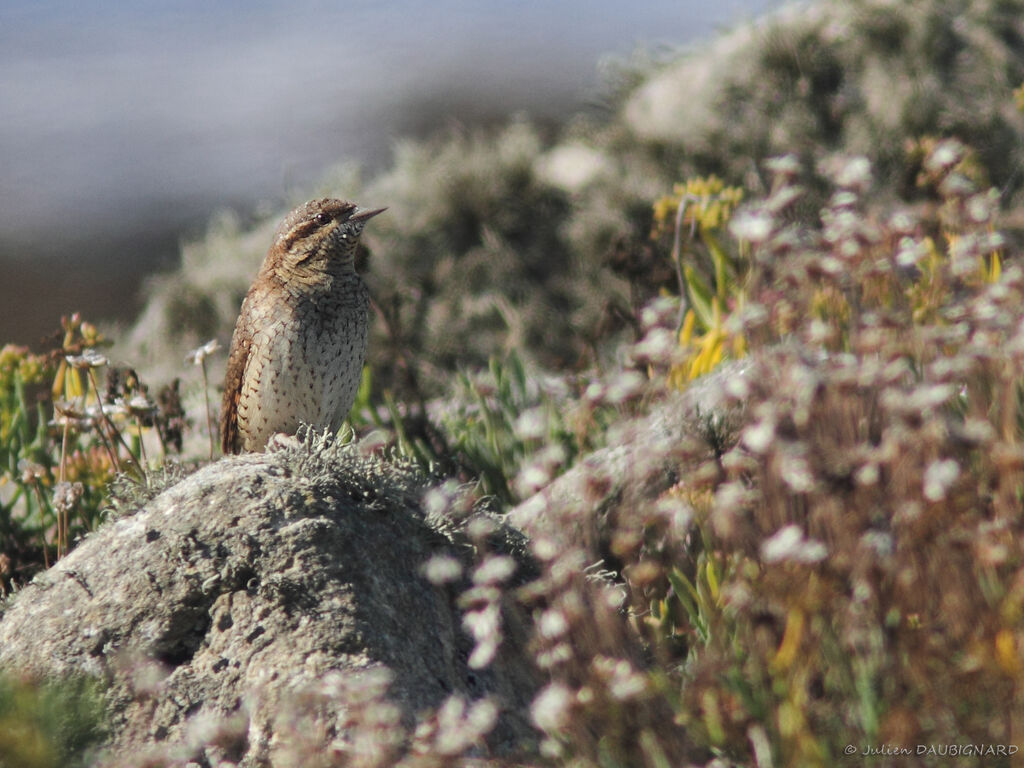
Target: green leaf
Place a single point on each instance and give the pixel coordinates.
(724, 283)
(700, 297)
(690, 600)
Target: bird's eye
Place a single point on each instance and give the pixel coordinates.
(320, 219)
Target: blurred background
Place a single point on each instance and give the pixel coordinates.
(124, 127)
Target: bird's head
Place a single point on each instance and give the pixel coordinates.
(319, 237)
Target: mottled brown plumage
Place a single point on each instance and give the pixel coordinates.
(300, 341)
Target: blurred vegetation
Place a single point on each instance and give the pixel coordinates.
(857, 580)
(711, 279)
(49, 725)
(833, 195)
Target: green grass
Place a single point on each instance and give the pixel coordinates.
(52, 724)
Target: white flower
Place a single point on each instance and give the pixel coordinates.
(788, 543)
(89, 358)
(754, 226)
(855, 173)
(550, 710)
(758, 437)
(199, 354)
(494, 570)
(939, 478)
(440, 569)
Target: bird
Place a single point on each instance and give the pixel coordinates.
(299, 345)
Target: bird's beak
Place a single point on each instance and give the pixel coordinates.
(362, 214)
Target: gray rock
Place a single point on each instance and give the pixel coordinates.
(261, 590)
